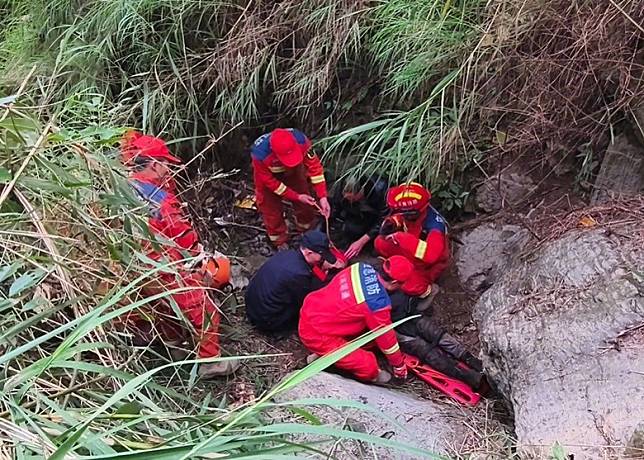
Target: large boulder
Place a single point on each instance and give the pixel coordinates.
(562, 337)
(431, 426)
(503, 189)
(622, 170)
(486, 251)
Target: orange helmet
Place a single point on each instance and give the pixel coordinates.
(136, 145)
(408, 197)
(218, 270)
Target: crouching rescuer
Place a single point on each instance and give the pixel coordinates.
(192, 270)
(354, 302)
(416, 231)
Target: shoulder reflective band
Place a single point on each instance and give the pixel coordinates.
(421, 249)
(277, 169)
(357, 283)
(281, 189)
(317, 179)
(392, 350)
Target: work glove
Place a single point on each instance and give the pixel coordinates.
(389, 225)
(400, 372)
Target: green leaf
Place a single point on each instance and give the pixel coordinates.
(306, 415)
(8, 99)
(5, 175)
(42, 185)
(129, 408)
(64, 449)
(558, 452)
(9, 270)
(25, 281)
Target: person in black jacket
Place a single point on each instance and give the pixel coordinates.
(425, 339)
(275, 294)
(357, 211)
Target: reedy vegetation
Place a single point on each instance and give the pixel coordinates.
(71, 385)
(430, 80)
(187, 68)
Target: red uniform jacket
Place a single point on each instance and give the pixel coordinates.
(425, 240)
(353, 303)
(166, 215)
(268, 170)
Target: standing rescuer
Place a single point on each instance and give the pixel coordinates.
(285, 168)
(149, 161)
(355, 302)
(416, 231)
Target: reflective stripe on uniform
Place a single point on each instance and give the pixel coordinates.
(317, 179)
(407, 194)
(277, 169)
(356, 283)
(303, 226)
(392, 350)
(274, 237)
(421, 249)
(281, 189)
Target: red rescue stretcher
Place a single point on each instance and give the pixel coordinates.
(451, 387)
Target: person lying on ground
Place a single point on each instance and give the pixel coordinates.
(275, 294)
(425, 339)
(354, 302)
(286, 168)
(358, 209)
(416, 231)
(150, 174)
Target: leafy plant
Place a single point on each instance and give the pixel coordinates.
(452, 196)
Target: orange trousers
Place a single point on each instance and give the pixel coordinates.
(195, 304)
(271, 207)
(361, 362)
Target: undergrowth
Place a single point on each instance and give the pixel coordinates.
(416, 89)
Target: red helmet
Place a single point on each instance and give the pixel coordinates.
(408, 197)
(284, 145)
(135, 145)
(398, 268)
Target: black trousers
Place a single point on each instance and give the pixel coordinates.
(433, 346)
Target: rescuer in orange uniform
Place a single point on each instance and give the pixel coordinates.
(416, 231)
(149, 160)
(285, 168)
(354, 302)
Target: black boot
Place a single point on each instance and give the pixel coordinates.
(472, 362)
(483, 388)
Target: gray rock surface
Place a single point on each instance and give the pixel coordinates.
(562, 335)
(622, 171)
(499, 190)
(428, 425)
(486, 252)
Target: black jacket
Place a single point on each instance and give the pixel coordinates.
(362, 217)
(275, 294)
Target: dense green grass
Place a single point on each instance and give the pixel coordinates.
(188, 68)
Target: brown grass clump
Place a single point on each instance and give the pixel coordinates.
(562, 74)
